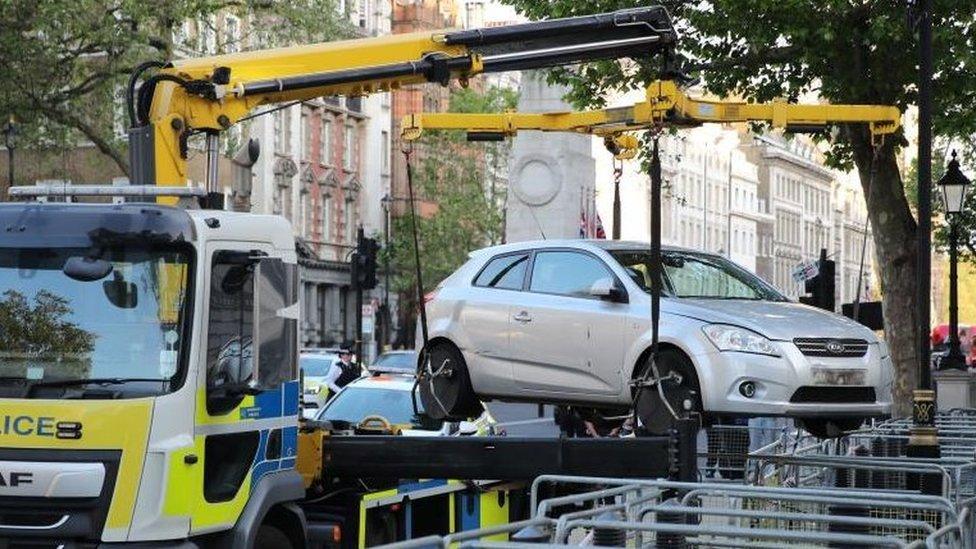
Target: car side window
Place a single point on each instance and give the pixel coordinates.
(506, 272)
(566, 273)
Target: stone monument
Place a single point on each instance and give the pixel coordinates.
(552, 179)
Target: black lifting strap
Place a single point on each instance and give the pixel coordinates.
(655, 269)
(407, 151)
(856, 316)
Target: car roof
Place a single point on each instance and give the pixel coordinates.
(602, 244)
(318, 352)
(395, 382)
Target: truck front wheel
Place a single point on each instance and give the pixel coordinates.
(270, 537)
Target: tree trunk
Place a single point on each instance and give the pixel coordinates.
(896, 249)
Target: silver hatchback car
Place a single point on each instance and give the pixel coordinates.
(568, 322)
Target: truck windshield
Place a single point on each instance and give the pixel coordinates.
(117, 336)
(696, 275)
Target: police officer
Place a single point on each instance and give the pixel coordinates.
(342, 373)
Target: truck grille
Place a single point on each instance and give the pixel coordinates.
(831, 347)
(46, 522)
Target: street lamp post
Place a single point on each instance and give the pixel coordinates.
(387, 202)
(954, 185)
(10, 141)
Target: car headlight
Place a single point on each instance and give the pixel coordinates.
(726, 337)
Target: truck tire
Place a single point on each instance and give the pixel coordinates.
(270, 537)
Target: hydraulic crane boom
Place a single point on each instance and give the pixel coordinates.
(210, 94)
(665, 105)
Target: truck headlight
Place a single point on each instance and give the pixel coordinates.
(726, 337)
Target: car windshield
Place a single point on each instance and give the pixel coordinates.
(124, 329)
(353, 404)
(399, 361)
(317, 365)
(695, 275)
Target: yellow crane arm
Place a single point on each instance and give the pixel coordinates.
(210, 94)
(665, 105)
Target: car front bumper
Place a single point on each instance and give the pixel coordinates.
(792, 385)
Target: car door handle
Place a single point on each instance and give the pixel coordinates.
(522, 317)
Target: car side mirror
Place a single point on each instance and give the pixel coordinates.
(607, 289)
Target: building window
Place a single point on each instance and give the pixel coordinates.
(350, 221)
(326, 218)
(325, 142)
(231, 34)
(348, 150)
(279, 132)
(306, 137)
(385, 153)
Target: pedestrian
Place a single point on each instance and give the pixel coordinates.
(965, 344)
(972, 352)
(342, 372)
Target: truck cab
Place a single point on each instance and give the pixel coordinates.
(148, 375)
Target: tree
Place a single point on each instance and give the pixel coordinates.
(847, 52)
(65, 62)
(38, 331)
(458, 179)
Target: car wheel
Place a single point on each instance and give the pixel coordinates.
(829, 427)
(679, 389)
(445, 386)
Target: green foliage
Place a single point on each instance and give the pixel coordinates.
(460, 180)
(65, 62)
(494, 99)
(39, 331)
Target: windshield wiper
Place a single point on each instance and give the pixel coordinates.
(96, 381)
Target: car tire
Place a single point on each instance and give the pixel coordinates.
(824, 428)
(270, 537)
(655, 417)
(445, 386)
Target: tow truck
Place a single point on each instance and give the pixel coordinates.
(150, 390)
(155, 400)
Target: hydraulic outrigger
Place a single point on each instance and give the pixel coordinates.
(666, 105)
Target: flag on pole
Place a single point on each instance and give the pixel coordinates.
(600, 233)
(582, 227)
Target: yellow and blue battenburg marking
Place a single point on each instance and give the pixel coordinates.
(280, 402)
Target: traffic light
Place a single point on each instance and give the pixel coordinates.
(364, 263)
(821, 287)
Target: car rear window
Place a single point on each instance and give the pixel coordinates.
(506, 272)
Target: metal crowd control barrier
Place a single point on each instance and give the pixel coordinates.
(764, 485)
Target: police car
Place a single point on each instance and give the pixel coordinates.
(315, 364)
(383, 401)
